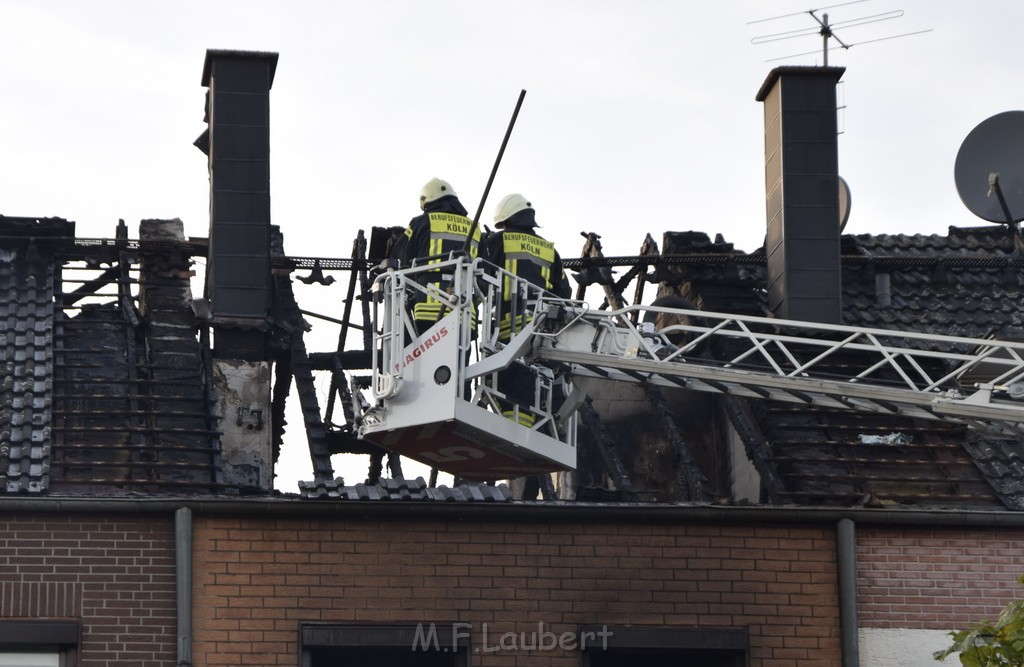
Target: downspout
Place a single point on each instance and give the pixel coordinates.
(183, 582)
(846, 562)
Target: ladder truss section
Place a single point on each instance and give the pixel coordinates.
(832, 366)
(440, 396)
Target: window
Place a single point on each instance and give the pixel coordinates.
(665, 647)
(38, 643)
(420, 645)
(27, 659)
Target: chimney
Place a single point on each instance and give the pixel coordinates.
(237, 144)
(238, 283)
(801, 167)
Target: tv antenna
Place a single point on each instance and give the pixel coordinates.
(827, 29)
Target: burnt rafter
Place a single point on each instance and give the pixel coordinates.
(129, 408)
(339, 386)
(610, 458)
(759, 450)
(649, 248)
(286, 312)
(278, 401)
(138, 423)
(89, 287)
(690, 482)
(341, 437)
(591, 272)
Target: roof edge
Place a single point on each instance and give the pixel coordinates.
(515, 511)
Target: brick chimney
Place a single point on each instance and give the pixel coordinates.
(802, 193)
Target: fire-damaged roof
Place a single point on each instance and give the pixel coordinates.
(108, 382)
(81, 418)
(97, 394)
(26, 306)
(968, 283)
(118, 381)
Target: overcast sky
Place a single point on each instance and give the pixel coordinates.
(639, 116)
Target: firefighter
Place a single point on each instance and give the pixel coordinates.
(519, 250)
(441, 229)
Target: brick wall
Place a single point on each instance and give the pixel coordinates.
(936, 579)
(114, 575)
(256, 580)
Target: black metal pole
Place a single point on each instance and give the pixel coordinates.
(487, 188)
(494, 170)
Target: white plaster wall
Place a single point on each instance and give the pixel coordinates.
(246, 446)
(900, 647)
(616, 400)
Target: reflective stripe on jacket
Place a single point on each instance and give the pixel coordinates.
(435, 235)
(531, 258)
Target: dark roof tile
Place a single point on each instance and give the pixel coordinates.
(26, 304)
(406, 489)
(965, 283)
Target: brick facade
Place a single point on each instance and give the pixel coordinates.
(936, 579)
(257, 580)
(115, 575)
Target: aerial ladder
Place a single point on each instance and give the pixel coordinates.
(436, 397)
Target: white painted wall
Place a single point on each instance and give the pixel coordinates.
(242, 391)
(900, 647)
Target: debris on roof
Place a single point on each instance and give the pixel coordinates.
(406, 489)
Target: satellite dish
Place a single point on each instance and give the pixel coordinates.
(995, 146)
(844, 203)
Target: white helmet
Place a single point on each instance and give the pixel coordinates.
(434, 190)
(509, 206)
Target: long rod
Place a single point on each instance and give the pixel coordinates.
(825, 33)
(494, 170)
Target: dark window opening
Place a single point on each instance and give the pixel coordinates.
(666, 658)
(25, 643)
(420, 645)
(374, 657)
(666, 647)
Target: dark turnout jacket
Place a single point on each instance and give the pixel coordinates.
(442, 228)
(522, 252)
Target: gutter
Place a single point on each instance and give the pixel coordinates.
(553, 511)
